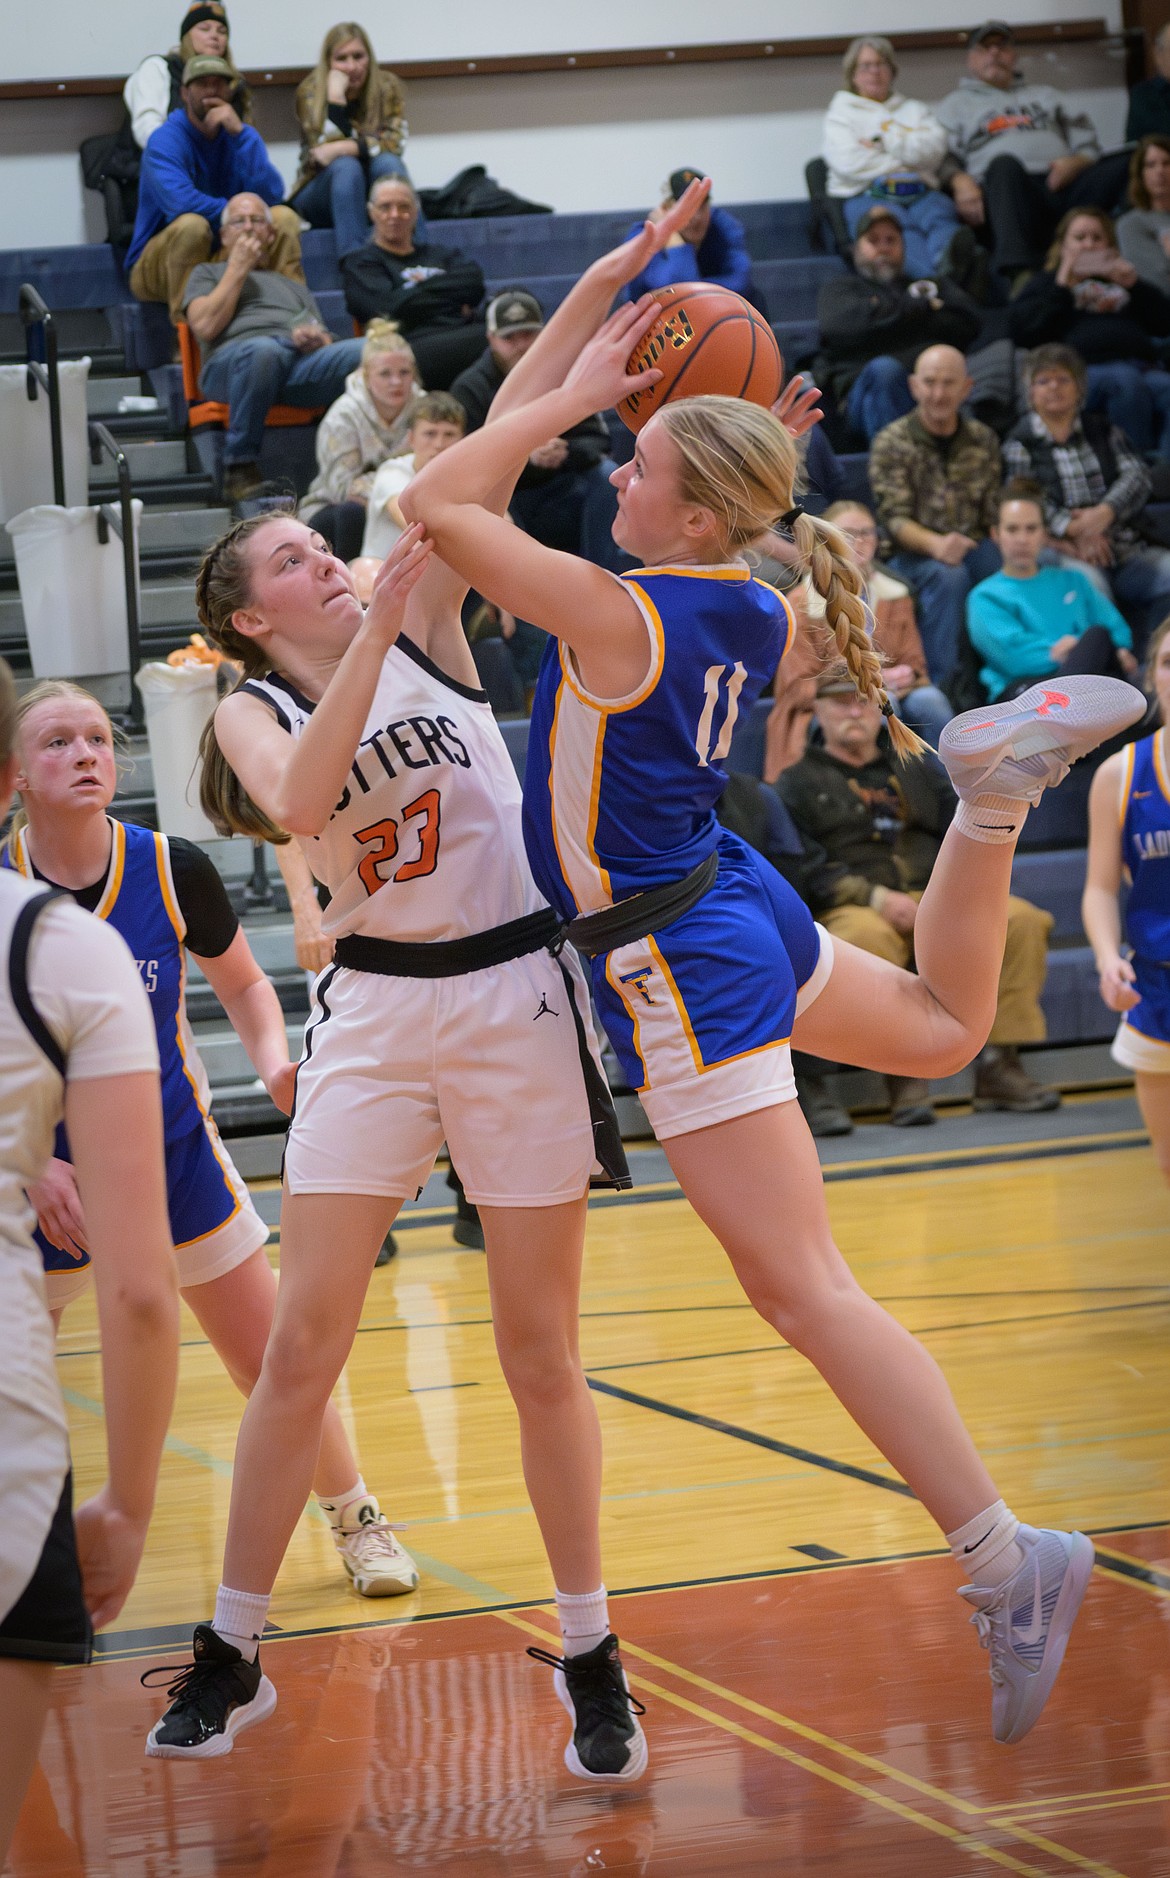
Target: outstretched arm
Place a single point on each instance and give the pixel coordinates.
(1100, 912)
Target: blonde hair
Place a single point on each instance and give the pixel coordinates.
(740, 462)
(384, 335)
(365, 111)
(222, 586)
(43, 692)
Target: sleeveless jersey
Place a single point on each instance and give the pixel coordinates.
(140, 903)
(620, 793)
(1145, 847)
(425, 842)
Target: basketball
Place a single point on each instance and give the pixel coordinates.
(706, 340)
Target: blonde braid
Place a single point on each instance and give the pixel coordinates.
(823, 553)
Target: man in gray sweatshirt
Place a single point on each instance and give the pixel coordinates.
(1020, 156)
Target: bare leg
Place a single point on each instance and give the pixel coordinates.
(236, 1311)
(772, 1220)
(534, 1273)
(328, 1244)
(1153, 1094)
(24, 1703)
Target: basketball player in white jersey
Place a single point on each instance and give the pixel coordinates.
(76, 1041)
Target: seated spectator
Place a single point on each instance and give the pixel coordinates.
(1094, 486)
(1024, 155)
(353, 132)
(367, 424)
(882, 823)
(875, 322)
(1028, 622)
(200, 158)
(432, 292)
(437, 420)
(564, 497)
(880, 146)
(154, 89)
(935, 476)
(895, 630)
(711, 247)
(261, 338)
(1149, 101)
(1144, 234)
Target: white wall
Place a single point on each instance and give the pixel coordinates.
(576, 140)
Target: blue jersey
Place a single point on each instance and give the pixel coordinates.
(1145, 847)
(620, 793)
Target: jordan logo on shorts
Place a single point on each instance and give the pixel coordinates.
(638, 980)
(544, 1009)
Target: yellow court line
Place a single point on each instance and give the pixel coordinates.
(1105, 1558)
(1156, 1789)
(1101, 1806)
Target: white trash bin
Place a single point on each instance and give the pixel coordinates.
(178, 700)
(72, 591)
(26, 459)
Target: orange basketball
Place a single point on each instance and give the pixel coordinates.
(706, 339)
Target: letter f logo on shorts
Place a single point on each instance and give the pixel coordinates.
(638, 980)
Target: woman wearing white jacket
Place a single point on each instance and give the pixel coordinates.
(367, 424)
(882, 147)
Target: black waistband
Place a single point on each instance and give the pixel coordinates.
(631, 920)
(451, 958)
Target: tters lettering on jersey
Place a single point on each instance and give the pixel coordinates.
(434, 741)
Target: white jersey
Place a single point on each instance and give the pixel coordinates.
(72, 1007)
(426, 842)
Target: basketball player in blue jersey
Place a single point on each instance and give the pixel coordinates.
(166, 899)
(705, 965)
(1129, 838)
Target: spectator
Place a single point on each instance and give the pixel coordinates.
(712, 246)
(1144, 234)
(880, 146)
(1089, 297)
(935, 475)
(352, 133)
(1028, 622)
(432, 292)
(875, 322)
(1149, 101)
(261, 337)
(437, 420)
(882, 823)
(1025, 156)
(564, 497)
(200, 158)
(364, 426)
(894, 627)
(1094, 486)
(154, 89)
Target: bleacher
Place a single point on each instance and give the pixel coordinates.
(131, 349)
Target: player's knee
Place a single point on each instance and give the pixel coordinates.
(541, 1372)
(797, 1295)
(300, 1362)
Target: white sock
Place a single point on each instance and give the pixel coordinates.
(342, 1510)
(994, 819)
(239, 1619)
(987, 1547)
(584, 1620)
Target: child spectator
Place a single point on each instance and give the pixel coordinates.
(363, 427)
(436, 422)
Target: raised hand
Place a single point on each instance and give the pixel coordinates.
(399, 573)
(600, 373)
(657, 232)
(798, 407)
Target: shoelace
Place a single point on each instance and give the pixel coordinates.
(376, 1536)
(185, 1682)
(605, 1689)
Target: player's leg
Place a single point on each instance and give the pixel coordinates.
(24, 1703)
(1153, 1094)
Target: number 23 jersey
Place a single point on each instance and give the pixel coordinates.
(620, 793)
(425, 842)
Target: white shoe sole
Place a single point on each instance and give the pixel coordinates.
(1072, 1591)
(381, 1585)
(639, 1752)
(1067, 718)
(257, 1710)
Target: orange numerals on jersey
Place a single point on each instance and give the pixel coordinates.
(385, 834)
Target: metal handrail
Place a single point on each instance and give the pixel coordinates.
(121, 519)
(33, 314)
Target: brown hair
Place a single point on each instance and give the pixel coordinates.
(1020, 489)
(9, 711)
(367, 108)
(41, 693)
(1104, 223)
(222, 586)
(1136, 192)
(1056, 358)
(438, 407)
(740, 462)
(1157, 638)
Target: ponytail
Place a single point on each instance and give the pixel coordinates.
(222, 586)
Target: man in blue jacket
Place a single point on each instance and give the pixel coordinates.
(711, 247)
(197, 159)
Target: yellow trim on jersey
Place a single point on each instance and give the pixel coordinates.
(676, 994)
(166, 883)
(552, 799)
(19, 852)
(113, 886)
(620, 989)
(594, 812)
(1126, 782)
(724, 571)
(613, 707)
(1159, 1043)
(1160, 763)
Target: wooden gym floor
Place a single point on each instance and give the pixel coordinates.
(816, 1703)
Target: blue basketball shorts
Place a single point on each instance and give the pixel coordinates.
(1143, 1035)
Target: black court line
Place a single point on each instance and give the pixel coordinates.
(825, 1461)
(1130, 1568)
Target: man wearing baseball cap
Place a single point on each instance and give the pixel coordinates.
(711, 247)
(1020, 155)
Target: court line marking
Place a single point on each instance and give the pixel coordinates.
(1156, 1787)
(1135, 1571)
(1130, 1796)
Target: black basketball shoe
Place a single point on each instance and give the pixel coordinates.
(213, 1700)
(606, 1742)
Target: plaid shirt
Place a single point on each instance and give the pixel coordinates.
(1071, 477)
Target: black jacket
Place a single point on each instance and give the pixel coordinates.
(866, 319)
(881, 824)
(588, 441)
(1043, 312)
(379, 283)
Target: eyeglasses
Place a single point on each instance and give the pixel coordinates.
(247, 221)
